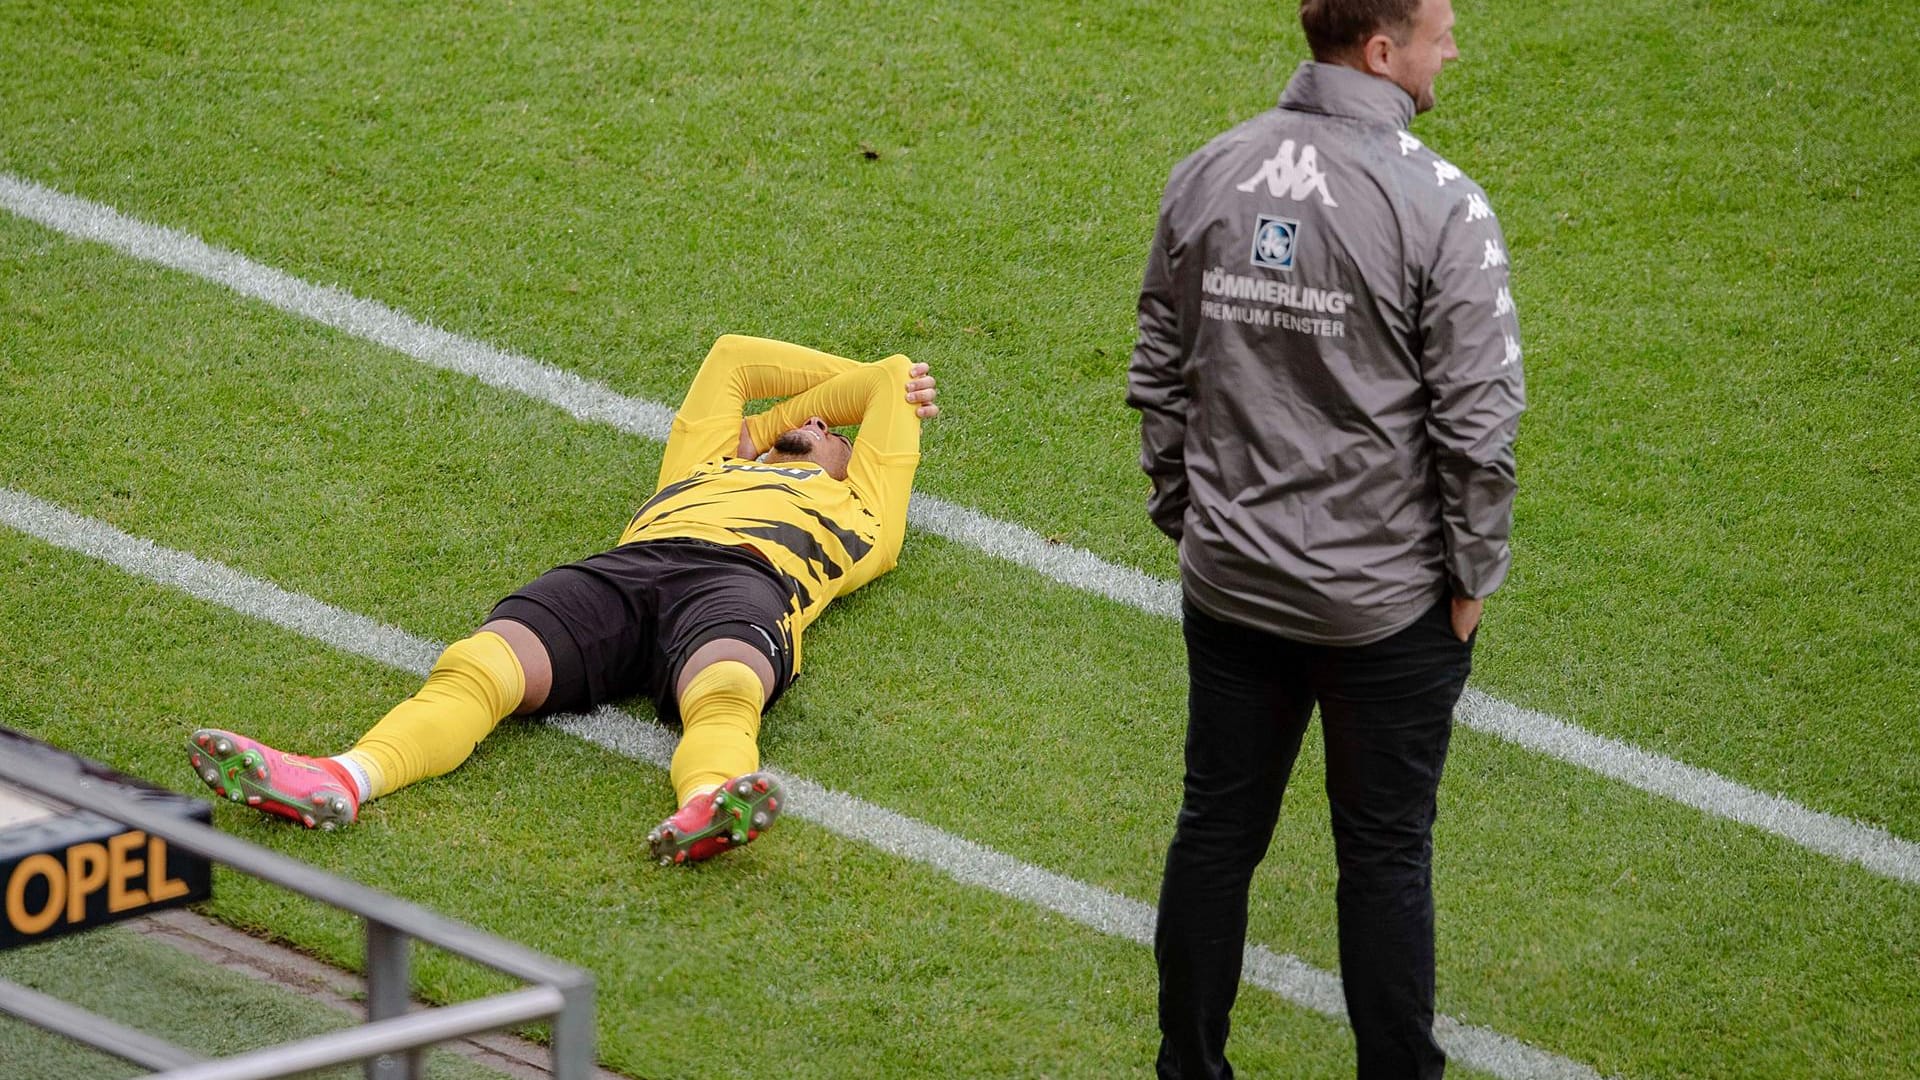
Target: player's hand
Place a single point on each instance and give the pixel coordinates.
(921, 392)
(1466, 616)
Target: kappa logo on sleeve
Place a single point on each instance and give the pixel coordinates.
(1274, 242)
(1444, 171)
(1477, 208)
(1502, 302)
(1408, 144)
(1493, 257)
(1293, 178)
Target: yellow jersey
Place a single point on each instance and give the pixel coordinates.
(827, 536)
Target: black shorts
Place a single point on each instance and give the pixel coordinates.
(623, 622)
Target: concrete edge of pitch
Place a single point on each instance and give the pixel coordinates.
(235, 951)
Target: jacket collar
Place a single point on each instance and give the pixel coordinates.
(1341, 91)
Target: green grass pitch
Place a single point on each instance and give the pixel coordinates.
(1711, 208)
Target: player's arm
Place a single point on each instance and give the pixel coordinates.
(1156, 385)
(737, 370)
(886, 399)
(1470, 361)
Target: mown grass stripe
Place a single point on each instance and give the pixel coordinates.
(839, 813)
(1865, 845)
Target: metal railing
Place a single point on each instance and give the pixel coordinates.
(393, 1040)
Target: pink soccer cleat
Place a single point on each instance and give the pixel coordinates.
(731, 815)
(312, 791)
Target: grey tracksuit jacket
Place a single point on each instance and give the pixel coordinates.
(1328, 369)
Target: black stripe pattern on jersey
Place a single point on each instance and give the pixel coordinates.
(664, 493)
(856, 548)
(679, 486)
(796, 540)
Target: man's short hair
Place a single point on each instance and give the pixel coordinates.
(1337, 27)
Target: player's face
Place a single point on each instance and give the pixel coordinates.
(1416, 64)
(816, 442)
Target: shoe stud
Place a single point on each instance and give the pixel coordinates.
(759, 785)
(222, 747)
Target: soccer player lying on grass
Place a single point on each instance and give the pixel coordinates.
(758, 522)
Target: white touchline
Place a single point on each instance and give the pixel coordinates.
(1866, 845)
(642, 740)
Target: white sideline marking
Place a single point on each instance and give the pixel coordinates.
(840, 813)
(1866, 845)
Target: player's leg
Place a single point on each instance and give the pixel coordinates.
(721, 691)
(725, 801)
(725, 632)
(504, 668)
(564, 642)
(476, 682)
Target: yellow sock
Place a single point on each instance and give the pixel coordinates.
(720, 724)
(475, 684)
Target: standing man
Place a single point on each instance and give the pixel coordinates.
(1328, 377)
(757, 523)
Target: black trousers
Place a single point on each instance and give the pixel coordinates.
(1386, 711)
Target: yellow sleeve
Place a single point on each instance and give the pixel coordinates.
(737, 370)
(887, 450)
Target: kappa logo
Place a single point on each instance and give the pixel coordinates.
(1408, 144)
(1477, 207)
(1444, 171)
(1292, 178)
(1502, 301)
(1513, 350)
(1493, 257)
(1274, 241)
